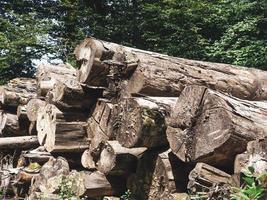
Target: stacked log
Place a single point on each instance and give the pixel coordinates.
(134, 123)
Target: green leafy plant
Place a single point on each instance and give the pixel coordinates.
(251, 189)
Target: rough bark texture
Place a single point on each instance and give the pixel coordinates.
(142, 121)
(61, 131)
(210, 127)
(162, 75)
(204, 177)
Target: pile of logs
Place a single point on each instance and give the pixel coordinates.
(129, 119)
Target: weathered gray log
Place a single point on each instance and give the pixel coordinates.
(48, 75)
(9, 124)
(207, 126)
(21, 142)
(161, 75)
(73, 95)
(255, 157)
(111, 158)
(61, 131)
(38, 155)
(204, 177)
(17, 91)
(141, 121)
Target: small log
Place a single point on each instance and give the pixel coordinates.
(111, 198)
(111, 158)
(255, 157)
(38, 155)
(73, 95)
(203, 177)
(17, 91)
(61, 131)
(22, 142)
(142, 121)
(207, 126)
(87, 160)
(9, 124)
(48, 75)
(161, 75)
(32, 108)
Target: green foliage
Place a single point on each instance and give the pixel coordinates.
(219, 30)
(251, 189)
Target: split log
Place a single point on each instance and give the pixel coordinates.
(73, 95)
(17, 91)
(61, 131)
(9, 124)
(204, 177)
(142, 121)
(22, 142)
(161, 75)
(207, 126)
(48, 75)
(111, 158)
(100, 124)
(255, 157)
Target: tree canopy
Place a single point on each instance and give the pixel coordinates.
(225, 31)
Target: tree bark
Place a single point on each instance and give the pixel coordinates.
(161, 75)
(22, 142)
(61, 131)
(141, 121)
(204, 177)
(207, 126)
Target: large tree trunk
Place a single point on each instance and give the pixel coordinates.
(141, 121)
(61, 131)
(161, 75)
(73, 95)
(17, 91)
(21, 142)
(207, 126)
